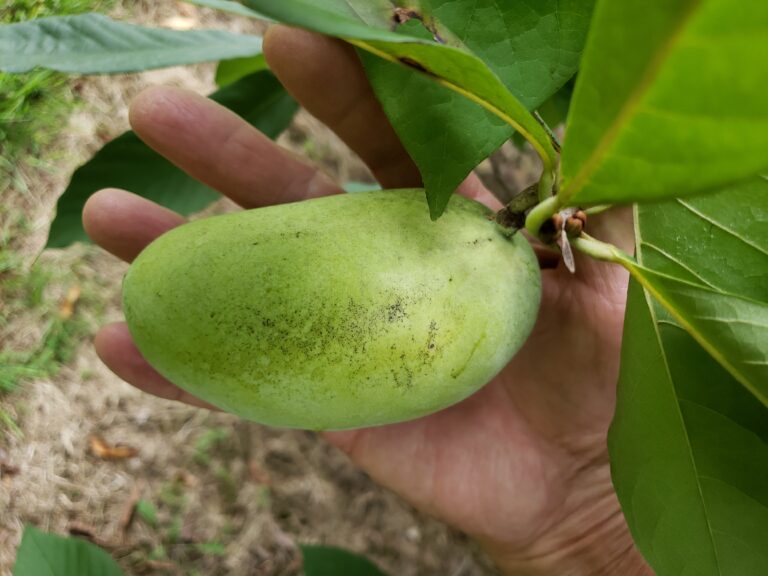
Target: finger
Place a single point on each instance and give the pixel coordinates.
(116, 349)
(123, 223)
(219, 148)
(327, 78)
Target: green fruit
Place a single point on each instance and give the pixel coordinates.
(340, 312)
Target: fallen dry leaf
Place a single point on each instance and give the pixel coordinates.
(67, 306)
(101, 449)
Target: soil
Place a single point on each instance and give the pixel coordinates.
(218, 495)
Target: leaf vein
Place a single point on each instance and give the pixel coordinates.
(721, 226)
(679, 262)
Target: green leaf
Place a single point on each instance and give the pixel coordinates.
(670, 101)
(706, 260)
(42, 554)
(367, 25)
(96, 44)
(734, 330)
(147, 512)
(328, 561)
(128, 163)
(534, 50)
(689, 452)
(229, 71)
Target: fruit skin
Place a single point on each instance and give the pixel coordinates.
(339, 312)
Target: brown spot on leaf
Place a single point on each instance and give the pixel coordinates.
(403, 15)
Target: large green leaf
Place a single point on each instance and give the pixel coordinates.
(706, 260)
(229, 71)
(689, 452)
(670, 101)
(95, 44)
(733, 329)
(329, 561)
(368, 25)
(128, 163)
(42, 554)
(534, 50)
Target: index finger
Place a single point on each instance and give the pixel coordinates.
(216, 146)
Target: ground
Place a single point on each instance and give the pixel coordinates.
(215, 495)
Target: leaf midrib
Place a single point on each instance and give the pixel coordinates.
(612, 134)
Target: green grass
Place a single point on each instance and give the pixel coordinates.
(33, 105)
(207, 443)
(23, 292)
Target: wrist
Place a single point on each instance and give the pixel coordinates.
(589, 538)
(597, 553)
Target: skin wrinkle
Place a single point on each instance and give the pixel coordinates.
(243, 148)
(593, 538)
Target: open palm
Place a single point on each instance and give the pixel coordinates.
(521, 465)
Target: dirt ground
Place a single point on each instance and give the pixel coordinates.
(217, 495)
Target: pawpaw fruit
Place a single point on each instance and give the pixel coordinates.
(338, 312)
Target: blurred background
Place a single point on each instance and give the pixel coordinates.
(166, 488)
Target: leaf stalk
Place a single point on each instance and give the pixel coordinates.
(603, 251)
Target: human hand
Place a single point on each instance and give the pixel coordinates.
(522, 465)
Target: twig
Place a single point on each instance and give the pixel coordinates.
(512, 216)
(129, 509)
